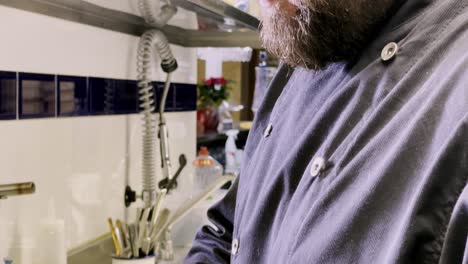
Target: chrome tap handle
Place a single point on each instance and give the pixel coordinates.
(171, 184)
(15, 189)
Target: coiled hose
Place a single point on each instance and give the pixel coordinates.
(153, 17)
(152, 40)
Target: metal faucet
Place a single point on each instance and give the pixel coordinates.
(164, 238)
(15, 189)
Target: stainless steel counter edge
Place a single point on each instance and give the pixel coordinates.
(87, 13)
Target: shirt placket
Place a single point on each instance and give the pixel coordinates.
(268, 134)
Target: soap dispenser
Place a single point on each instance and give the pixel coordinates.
(51, 246)
(231, 152)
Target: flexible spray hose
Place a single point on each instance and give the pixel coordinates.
(152, 40)
(164, 134)
(154, 17)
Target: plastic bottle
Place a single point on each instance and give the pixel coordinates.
(52, 249)
(23, 245)
(207, 170)
(22, 250)
(232, 166)
(263, 77)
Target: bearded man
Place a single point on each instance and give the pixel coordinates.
(359, 152)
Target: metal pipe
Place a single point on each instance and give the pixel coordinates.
(7, 190)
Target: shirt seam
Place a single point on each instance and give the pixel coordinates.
(434, 252)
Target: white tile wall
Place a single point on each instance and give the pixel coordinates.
(41, 44)
(82, 163)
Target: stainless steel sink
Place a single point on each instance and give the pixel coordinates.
(98, 252)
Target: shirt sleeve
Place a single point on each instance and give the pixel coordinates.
(213, 245)
(455, 248)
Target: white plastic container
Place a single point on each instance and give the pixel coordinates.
(23, 251)
(51, 240)
(232, 166)
(19, 238)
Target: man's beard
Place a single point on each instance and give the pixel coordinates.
(321, 31)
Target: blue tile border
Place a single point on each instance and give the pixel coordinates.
(186, 97)
(72, 96)
(8, 96)
(31, 95)
(37, 95)
(126, 99)
(101, 96)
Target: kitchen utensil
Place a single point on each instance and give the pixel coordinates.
(143, 225)
(157, 210)
(164, 216)
(117, 245)
(123, 234)
(133, 234)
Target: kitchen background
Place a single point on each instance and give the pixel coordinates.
(79, 162)
(80, 151)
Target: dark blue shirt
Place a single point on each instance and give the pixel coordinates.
(361, 163)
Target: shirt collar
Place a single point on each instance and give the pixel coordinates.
(406, 13)
(405, 16)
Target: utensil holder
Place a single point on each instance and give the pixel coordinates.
(146, 260)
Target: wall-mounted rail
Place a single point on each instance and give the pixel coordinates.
(221, 25)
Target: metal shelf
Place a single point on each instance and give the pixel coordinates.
(224, 15)
(222, 25)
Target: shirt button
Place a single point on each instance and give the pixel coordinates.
(268, 130)
(389, 51)
(235, 247)
(318, 165)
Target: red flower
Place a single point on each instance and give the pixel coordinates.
(222, 81)
(209, 82)
(216, 81)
